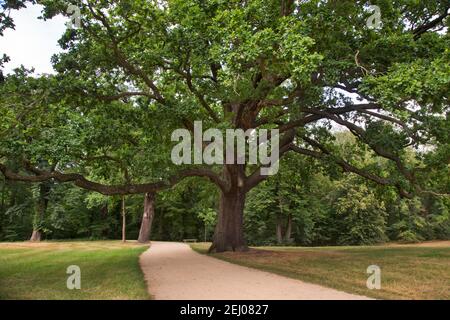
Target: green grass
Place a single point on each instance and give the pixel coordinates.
(407, 272)
(109, 270)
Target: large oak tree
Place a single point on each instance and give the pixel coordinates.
(137, 70)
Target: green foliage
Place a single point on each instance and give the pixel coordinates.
(419, 219)
(70, 214)
(189, 211)
(137, 70)
(16, 211)
(361, 217)
(343, 210)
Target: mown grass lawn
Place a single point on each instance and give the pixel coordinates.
(407, 271)
(109, 270)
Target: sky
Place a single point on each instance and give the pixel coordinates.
(33, 42)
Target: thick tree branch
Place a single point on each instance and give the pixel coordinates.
(80, 181)
(361, 134)
(418, 32)
(122, 60)
(188, 77)
(287, 7)
(267, 120)
(317, 114)
(390, 119)
(256, 177)
(128, 66)
(347, 167)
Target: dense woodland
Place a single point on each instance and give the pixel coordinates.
(363, 117)
(306, 204)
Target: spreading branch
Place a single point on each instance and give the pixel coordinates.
(256, 177)
(109, 190)
(419, 31)
(324, 154)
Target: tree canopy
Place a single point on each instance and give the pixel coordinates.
(137, 70)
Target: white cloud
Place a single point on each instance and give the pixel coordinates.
(33, 42)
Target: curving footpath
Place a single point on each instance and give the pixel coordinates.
(174, 271)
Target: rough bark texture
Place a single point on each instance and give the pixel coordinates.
(147, 218)
(41, 208)
(229, 232)
(288, 235)
(283, 233)
(124, 221)
(279, 230)
(104, 212)
(279, 216)
(36, 236)
(2, 207)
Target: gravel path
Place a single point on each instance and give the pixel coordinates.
(175, 272)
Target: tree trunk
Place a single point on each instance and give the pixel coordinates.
(44, 190)
(161, 224)
(279, 229)
(288, 234)
(2, 205)
(147, 218)
(124, 221)
(36, 236)
(104, 212)
(280, 214)
(229, 233)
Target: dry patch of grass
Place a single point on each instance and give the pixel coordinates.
(64, 245)
(430, 244)
(407, 271)
(109, 270)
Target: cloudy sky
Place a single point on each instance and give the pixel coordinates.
(33, 42)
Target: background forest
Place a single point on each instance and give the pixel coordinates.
(306, 203)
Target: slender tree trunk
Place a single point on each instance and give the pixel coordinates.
(280, 214)
(3, 197)
(2, 206)
(36, 236)
(161, 224)
(279, 230)
(104, 212)
(147, 218)
(124, 221)
(287, 236)
(44, 190)
(287, 7)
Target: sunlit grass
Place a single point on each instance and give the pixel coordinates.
(109, 270)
